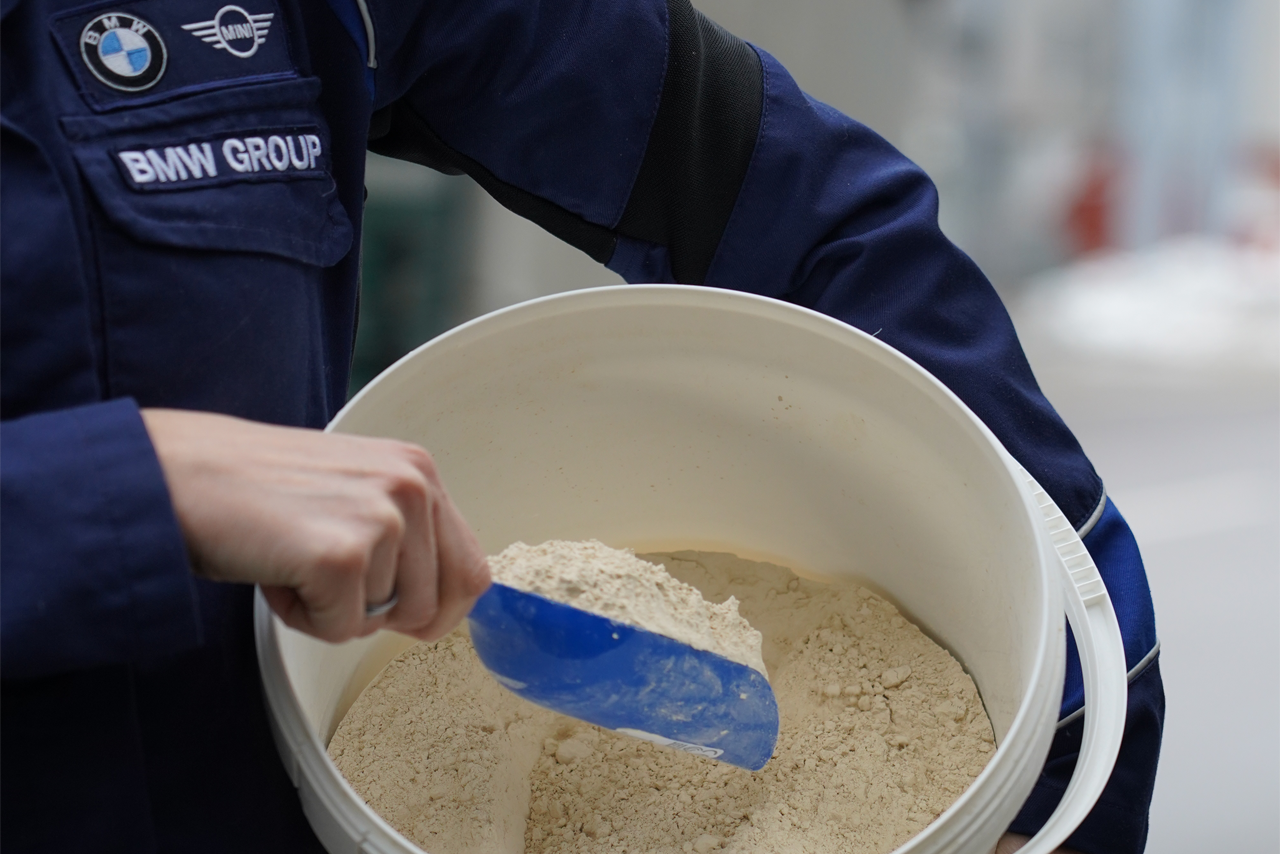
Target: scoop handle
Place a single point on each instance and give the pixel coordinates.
(1106, 687)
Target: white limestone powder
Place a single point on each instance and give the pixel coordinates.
(616, 584)
(880, 732)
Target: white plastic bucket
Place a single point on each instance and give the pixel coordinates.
(665, 417)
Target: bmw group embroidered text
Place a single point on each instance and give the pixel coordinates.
(177, 163)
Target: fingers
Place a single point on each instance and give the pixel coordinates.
(379, 580)
(417, 569)
(1012, 842)
(287, 605)
(355, 545)
(463, 575)
(354, 553)
(438, 588)
(295, 613)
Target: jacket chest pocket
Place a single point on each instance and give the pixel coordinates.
(218, 234)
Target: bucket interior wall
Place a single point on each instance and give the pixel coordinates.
(655, 427)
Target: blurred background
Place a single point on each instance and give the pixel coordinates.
(1114, 166)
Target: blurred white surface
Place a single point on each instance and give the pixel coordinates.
(1193, 302)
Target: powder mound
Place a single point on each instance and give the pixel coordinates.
(591, 576)
(881, 730)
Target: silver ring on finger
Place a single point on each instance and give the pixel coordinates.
(371, 611)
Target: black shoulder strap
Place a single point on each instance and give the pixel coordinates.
(701, 143)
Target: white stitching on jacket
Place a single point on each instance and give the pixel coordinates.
(368, 32)
(1084, 529)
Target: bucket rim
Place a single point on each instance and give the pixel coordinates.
(1038, 709)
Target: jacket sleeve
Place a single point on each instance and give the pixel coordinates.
(95, 571)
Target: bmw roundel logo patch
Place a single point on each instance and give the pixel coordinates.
(123, 51)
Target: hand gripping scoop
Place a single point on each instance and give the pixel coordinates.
(624, 678)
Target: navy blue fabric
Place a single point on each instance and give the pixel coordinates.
(640, 261)
(119, 590)
(1119, 821)
(170, 756)
(133, 716)
(131, 689)
(191, 64)
(556, 98)
(292, 212)
(348, 13)
(1115, 551)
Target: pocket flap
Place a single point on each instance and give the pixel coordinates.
(238, 172)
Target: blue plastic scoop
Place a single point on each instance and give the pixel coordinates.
(623, 678)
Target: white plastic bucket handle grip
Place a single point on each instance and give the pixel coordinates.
(1106, 686)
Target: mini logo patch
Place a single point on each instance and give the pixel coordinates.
(123, 51)
(233, 30)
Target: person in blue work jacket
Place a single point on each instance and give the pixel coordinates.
(181, 208)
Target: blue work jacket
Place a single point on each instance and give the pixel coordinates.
(180, 216)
